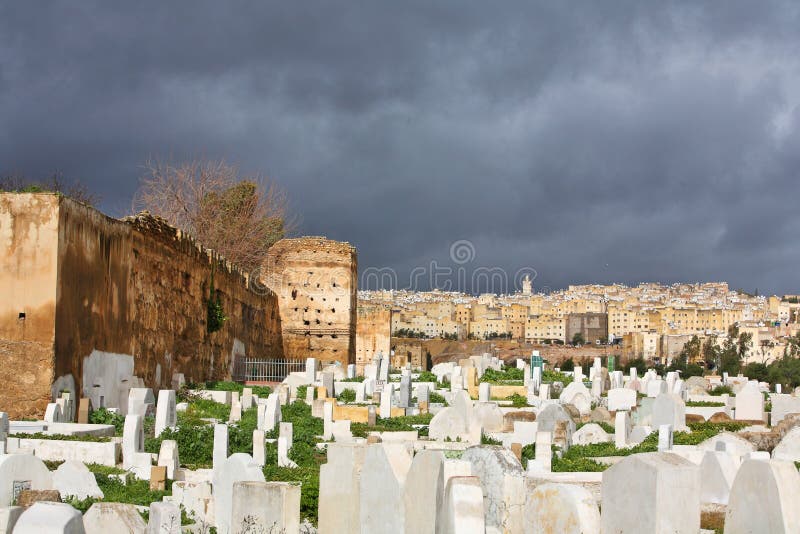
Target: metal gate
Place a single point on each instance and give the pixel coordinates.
(265, 370)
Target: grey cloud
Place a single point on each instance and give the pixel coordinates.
(611, 141)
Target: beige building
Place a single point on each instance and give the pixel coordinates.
(373, 333)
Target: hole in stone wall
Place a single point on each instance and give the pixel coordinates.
(22, 315)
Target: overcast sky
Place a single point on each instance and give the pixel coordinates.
(588, 142)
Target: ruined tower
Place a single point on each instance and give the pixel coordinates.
(315, 280)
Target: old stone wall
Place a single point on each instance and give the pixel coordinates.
(28, 274)
(592, 326)
(373, 333)
(108, 289)
(315, 280)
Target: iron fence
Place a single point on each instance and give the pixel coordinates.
(262, 370)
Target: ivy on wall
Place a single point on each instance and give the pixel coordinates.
(215, 314)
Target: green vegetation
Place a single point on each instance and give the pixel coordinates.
(508, 376)
(518, 401)
(549, 376)
(437, 398)
(567, 365)
(721, 390)
(407, 332)
(303, 452)
(426, 376)
(354, 379)
(215, 316)
(705, 404)
(578, 339)
(102, 416)
(486, 440)
(394, 424)
(133, 491)
(347, 396)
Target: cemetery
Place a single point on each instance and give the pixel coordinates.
(473, 446)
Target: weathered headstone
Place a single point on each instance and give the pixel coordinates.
(73, 479)
(764, 498)
(164, 518)
(50, 517)
(165, 411)
(463, 507)
(383, 478)
(339, 489)
(113, 517)
(561, 508)
(503, 483)
(651, 492)
(265, 507)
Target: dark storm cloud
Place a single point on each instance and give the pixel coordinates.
(590, 141)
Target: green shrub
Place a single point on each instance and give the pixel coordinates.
(509, 375)
(426, 376)
(518, 401)
(487, 440)
(721, 390)
(549, 376)
(347, 396)
(353, 379)
(437, 398)
(705, 404)
(102, 416)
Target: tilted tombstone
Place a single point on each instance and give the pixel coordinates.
(421, 491)
(165, 411)
(383, 478)
(503, 483)
(764, 498)
(339, 489)
(789, 447)
(73, 479)
(259, 447)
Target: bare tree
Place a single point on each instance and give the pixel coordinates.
(240, 217)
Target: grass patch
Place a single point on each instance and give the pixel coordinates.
(705, 404)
